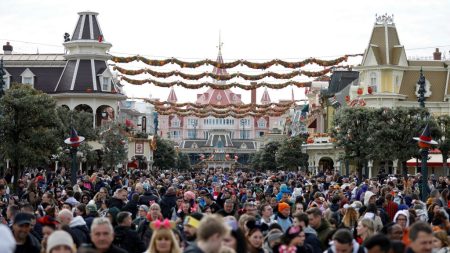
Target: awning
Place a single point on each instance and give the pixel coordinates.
(435, 160)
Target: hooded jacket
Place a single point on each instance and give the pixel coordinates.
(80, 231)
(367, 196)
(405, 238)
(167, 203)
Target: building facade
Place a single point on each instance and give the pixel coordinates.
(80, 79)
(219, 142)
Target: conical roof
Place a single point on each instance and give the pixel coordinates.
(87, 27)
(172, 96)
(265, 99)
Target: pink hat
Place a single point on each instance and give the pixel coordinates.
(189, 195)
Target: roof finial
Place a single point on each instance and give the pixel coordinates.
(220, 42)
(384, 19)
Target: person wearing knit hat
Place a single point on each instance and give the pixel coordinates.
(283, 216)
(60, 241)
(272, 238)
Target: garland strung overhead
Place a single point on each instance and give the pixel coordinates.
(226, 65)
(223, 111)
(199, 106)
(216, 86)
(218, 115)
(226, 77)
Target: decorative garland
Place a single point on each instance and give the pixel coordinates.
(223, 111)
(218, 115)
(199, 106)
(228, 76)
(226, 65)
(215, 85)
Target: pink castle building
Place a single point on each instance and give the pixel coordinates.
(218, 142)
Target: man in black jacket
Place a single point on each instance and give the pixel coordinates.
(125, 237)
(25, 242)
(168, 203)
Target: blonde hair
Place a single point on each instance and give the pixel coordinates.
(163, 232)
(370, 225)
(350, 218)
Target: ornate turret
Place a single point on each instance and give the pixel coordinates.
(265, 99)
(86, 69)
(172, 96)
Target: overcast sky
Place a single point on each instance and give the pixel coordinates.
(253, 30)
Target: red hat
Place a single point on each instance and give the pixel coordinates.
(425, 137)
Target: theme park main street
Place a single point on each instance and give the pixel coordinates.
(352, 159)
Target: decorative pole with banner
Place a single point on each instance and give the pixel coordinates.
(425, 143)
(74, 141)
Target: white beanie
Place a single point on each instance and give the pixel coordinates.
(59, 237)
(7, 243)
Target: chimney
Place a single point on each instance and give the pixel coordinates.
(253, 94)
(437, 56)
(7, 49)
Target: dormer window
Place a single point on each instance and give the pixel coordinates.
(105, 79)
(28, 77)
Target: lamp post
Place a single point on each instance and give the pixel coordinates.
(243, 125)
(74, 141)
(424, 141)
(194, 125)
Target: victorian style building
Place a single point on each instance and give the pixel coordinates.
(79, 79)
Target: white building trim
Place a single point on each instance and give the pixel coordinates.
(94, 78)
(74, 77)
(83, 19)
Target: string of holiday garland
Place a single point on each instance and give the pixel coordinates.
(223, 111)
(218, 115)
(199, 106)
(226, 65)
(215, 85)
(225, 77)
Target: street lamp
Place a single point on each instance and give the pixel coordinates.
(243, 126)
(194, 125)
(74, 141)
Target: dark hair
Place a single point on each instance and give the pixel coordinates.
(241, 244)
(275, 226)
(122, 216)
(418, 227)
(397, 246)
(378, 240)
(343, 236)
(302, 217)
(314, 211)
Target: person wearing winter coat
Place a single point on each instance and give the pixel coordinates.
(125, 237)
(168, 203)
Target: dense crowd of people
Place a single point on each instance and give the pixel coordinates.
(215, 210)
